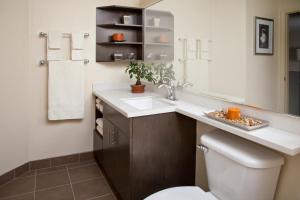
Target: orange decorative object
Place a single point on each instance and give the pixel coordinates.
(118, 37)
(234, 113)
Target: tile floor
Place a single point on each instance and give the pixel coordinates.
(83, 181)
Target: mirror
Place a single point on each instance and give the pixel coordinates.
(243, 51)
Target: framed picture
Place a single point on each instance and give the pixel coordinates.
(264, 36)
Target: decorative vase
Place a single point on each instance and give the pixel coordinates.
(137, 88)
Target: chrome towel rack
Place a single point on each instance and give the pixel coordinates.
(44, 62)
(65, 35)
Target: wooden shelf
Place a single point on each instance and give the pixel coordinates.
(160, 44)
(159, 28)
(120, 43)
(130, 26)
(122, 8)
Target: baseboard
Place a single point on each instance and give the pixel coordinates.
(45, 163)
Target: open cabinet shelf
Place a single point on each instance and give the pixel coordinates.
(141, 36)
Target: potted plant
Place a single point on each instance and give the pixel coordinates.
(140, 71)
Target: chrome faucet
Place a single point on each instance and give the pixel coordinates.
(184, 85)
(171, 91)
(171, 88)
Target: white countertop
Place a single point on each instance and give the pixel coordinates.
(279, 140)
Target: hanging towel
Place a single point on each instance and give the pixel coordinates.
(66, 90)
(77, 40)
(192, 45)
(54, 52)
(77, 55)
(54, 40)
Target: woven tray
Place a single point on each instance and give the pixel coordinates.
(237, 124)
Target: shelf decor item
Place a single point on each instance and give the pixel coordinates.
(118, 37)
(140, 71)
(264, 36)
(127, 19)
(156, 22)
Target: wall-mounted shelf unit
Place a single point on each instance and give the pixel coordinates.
(109, 21)
(142, 37)
(154, 48)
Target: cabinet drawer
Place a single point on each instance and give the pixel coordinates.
(117, 119)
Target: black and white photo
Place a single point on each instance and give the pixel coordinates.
(264, 36)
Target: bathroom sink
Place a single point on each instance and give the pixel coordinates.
(146, 103)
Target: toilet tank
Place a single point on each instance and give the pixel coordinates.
(238, 169)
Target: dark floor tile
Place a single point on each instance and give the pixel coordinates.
(40, 164)
(26, 174)
(86, 156)
(81, 164)
(17, 187)
(63, 160)
(84, 173)
(22, 169)
(7, 177)
(106, 197)
(91, 189)
(58, 193)
(50, 170)
(29, 196)
(52, 180)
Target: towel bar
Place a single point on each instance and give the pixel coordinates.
(43, 34)
(44, 62)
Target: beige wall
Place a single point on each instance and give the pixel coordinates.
(26, 134)
(223, 23)
(262, 71)
(13, 83)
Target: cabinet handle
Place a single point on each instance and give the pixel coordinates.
(114, 136)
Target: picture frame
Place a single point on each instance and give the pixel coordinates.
(264, 36)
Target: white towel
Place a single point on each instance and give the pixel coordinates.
(98, 101)
(54, 54)
(99, 122)
(99, 107)
(54, 40)
(100, 130)
(77, 40)
(192, 45)
(77, 55)
(66, 90)
(205, 45)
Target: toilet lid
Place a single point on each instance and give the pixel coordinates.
(182, 193)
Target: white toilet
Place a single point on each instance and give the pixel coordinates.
(237, 170)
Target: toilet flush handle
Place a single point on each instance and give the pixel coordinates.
(202, 148)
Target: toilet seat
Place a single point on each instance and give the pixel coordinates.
(182, 193)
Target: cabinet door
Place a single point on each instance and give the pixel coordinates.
(98, 146)
(116, 158)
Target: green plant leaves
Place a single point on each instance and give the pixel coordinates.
(140, 71)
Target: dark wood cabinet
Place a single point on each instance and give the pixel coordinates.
(146, 154)
(98, 146)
